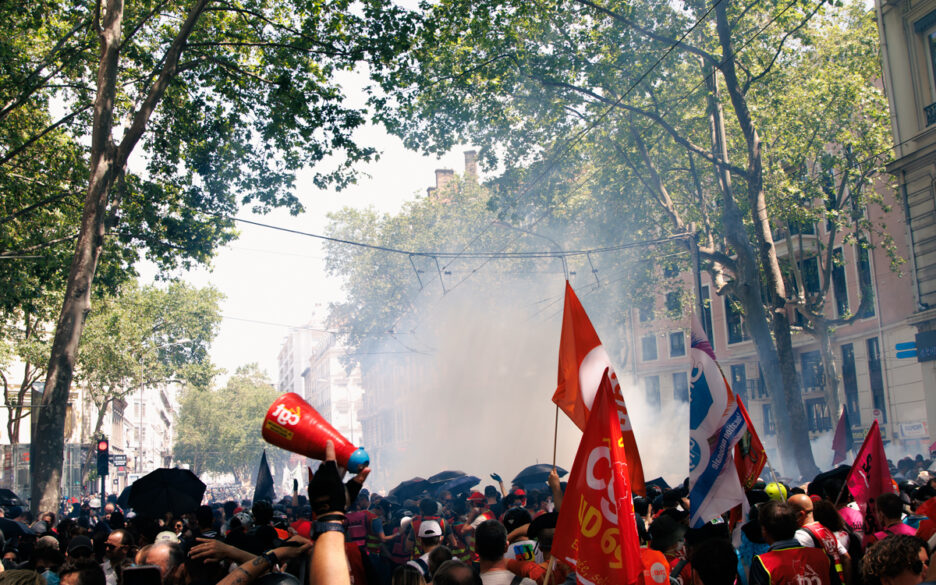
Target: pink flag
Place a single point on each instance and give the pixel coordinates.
(869, 476)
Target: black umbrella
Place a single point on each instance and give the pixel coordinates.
(458, 485)
(8, 498)
(829, 483)
(123, 500)
(408, 489)
(11, 528)
(658, 482)
(444, 476)
(535, 476)
(166, 490)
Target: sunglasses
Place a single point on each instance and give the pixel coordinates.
(109, 546)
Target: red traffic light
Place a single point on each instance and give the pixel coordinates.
(102, 445)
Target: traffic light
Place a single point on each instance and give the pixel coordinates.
(102, 456)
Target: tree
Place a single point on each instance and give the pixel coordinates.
(144, 336)
(219, 429)
(227, 100)
(625, 87)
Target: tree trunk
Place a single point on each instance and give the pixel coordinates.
(47, 455)
(801, 457)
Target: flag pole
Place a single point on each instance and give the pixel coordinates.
(549, 570)
(555, 436)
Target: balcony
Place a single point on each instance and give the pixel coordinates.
(804, 245)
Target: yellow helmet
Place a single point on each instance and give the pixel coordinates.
(776, 491)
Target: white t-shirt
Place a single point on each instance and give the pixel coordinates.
(523, 550)
(502, 577)
(805, 539)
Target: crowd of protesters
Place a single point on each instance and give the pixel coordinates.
(340, 534)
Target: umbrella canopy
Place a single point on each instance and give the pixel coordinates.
(658, 482)
(123, 500)
(535, 476)
(8, 498)
(11, 528)
(166, 490)
(458, 485)
(444, 476)
(408, 489)
(829, 483)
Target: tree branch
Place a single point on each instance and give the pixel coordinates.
(651, 34)
(776, 55)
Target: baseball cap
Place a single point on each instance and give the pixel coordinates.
(166, 536)
(516, 517)
(476, 496)
(520, 492)
(79, 543)
(429, 528)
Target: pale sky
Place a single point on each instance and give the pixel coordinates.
(274, 280)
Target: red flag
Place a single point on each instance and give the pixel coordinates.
(582, 363)
(596, 532)
(749, 454)
(842, 441)
(869, 476)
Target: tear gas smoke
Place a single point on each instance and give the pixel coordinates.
(478, 382)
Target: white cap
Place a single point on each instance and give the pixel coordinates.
(429, 528)
(166, 536)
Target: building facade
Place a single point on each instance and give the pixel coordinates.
(876, 379)
(908, 56)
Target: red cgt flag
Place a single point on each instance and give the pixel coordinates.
(596, 532)
(582, 363)
(869, 476)
(749, 455)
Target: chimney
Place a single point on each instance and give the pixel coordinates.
(443, 178)
(471, 165)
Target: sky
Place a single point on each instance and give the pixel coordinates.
(273, 280)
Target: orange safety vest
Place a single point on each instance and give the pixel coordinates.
(656, 568)
(829, 544)
(796, 566)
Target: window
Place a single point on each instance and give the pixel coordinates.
(733, 322)
(760, 388)
(769, 427)
(877, 379)
(649, 347)
(645, 310)
(673, 302)
(739, 381)
(807, 228)
(677, 344)
(812, 373)
(817, 415)
(850, 381)
(681, 387)
(707, 315)
(652, 386)
(864, 281)
(839, 286)
(810, 270)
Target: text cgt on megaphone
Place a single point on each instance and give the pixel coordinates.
(292, 424)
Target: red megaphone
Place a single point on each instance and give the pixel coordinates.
(292, 424)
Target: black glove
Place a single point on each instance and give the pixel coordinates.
(327, 495)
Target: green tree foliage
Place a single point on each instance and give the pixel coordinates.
(680, 113)
(226, 101)
(218, 429)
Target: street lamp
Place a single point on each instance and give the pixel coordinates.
(139, 458)
(557, 248)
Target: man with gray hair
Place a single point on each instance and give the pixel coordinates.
(168, 556)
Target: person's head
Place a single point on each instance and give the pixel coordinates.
(777, 520)
(407, 575)
(477, 499)
(824, 513)
(229, 507)
(666, 534)
(262, 512)
(896, 560)
(491, 541)
(168, 556)
(25, 577)
(453, 572)
(776, 491)
(520, 497)
(118, 546)
(430, 534)
(803, 508)
(515, 518)
(428, 507)
(79, 547)
(205, 517)
(437, 556)
(82, 572)
(714, 563)
(889, 506)
(542, 530)
(491, 493)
